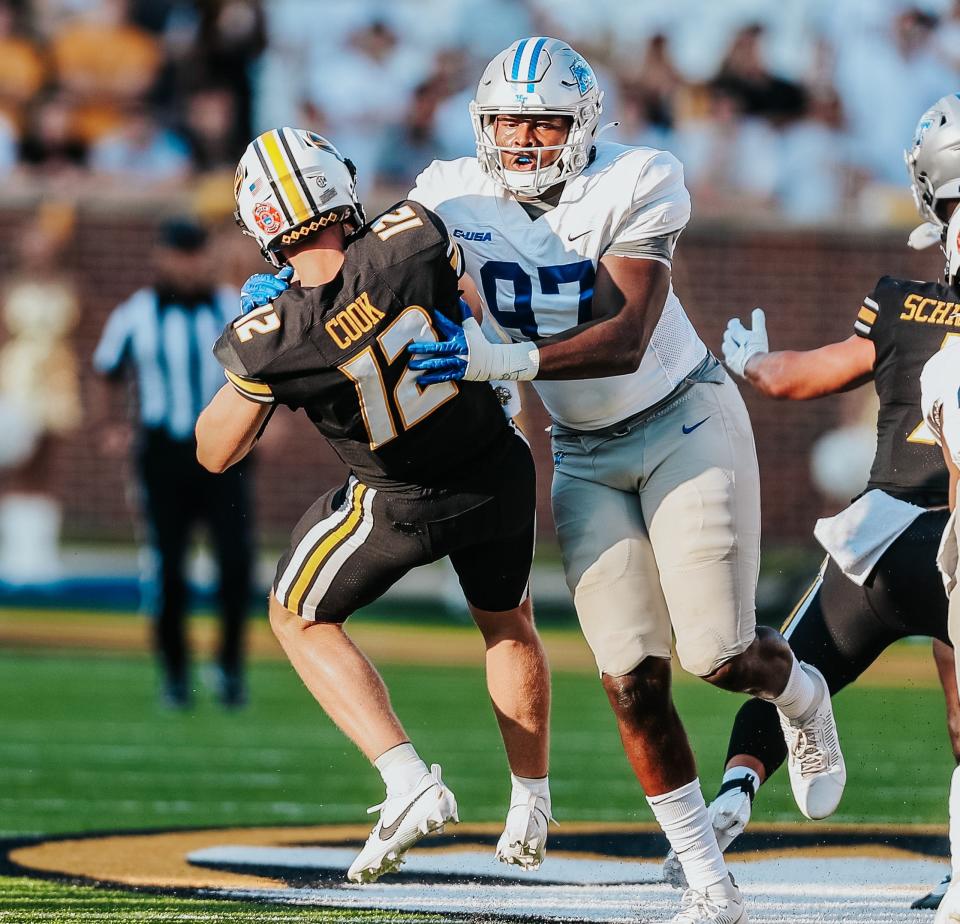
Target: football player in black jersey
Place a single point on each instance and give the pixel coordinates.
(434, 471)
(886, 585)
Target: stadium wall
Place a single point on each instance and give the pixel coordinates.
(810, 282)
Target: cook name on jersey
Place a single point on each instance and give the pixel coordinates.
(339, 352)
(537, 276)
(908, 322)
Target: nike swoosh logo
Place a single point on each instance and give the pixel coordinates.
(387, 831)
(573, 237)
(687, 429)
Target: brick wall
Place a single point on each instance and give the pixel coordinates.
(810, 283)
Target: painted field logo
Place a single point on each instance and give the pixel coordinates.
(595, 873)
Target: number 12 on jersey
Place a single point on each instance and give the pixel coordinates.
(411, 402)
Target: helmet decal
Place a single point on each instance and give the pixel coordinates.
(268, 219)
(583, 75)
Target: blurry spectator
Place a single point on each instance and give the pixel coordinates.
(407, 146)
(232, 35)
(814, 163)
(141, 150)
(884, 79)
(104, 61)
(729, 161)
(50, 146)
(650, 92)
(948, 37)
(485, 27)
(210, 113)
(745, 76)
(38, 375)
(353, 96)
(163, 336)
(22, 67)
(654, 83)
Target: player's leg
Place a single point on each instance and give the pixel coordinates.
(229, 511)
(949, 907)
(613, 576)
(494, 572)
(168, 515)
(947, 672)
(346, 551)
(702, 504)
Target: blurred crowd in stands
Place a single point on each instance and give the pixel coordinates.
(793, 109)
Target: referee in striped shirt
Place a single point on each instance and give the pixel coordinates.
(162, 338)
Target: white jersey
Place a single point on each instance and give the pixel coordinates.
(536, 276)
(940, 397)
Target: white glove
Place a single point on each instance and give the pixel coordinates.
(740, 343)
(467, 354)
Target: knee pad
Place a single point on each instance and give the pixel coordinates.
(706, 654)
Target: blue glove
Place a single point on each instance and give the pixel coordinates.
(449, 362)
(262, 288)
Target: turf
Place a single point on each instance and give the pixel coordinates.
(31, 901)
(84, 746)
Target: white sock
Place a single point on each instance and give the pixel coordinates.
(401, 768)
(738, 773)
(955, 825)
(523, 787)
(682, 815)
(799, 695)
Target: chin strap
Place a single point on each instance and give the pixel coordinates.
(606, 128)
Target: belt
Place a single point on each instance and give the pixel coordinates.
(709, 370)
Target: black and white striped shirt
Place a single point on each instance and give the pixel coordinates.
(169, 347)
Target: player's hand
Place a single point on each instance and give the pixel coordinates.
(445, 360)
(467, 354)
(741, 343)
(262, 288)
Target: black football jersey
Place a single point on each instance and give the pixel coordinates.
(908, 321)
(339, 352)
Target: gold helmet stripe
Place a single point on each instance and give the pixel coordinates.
(269, 174)
(284, 173)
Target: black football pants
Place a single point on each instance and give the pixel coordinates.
(842, 629)
(178, 493)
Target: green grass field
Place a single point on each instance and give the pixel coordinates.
(84, 747)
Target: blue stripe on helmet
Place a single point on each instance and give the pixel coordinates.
(533, 63)
(516, 60)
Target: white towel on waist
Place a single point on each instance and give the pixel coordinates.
(857, 537)
(947, 555)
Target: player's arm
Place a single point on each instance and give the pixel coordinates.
(629, 295)
(799, 375)
(228, 428)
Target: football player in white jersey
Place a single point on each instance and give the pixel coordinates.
(940, 401)
(655, 495)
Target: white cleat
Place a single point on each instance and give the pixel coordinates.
(719, 904)
(933, 898)
(814, 758)
(404, 820)
(729, 814)
(524, 839)
(949, 910)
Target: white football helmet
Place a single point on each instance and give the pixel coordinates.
(933, 161)
(537, 76)
(290, 183)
